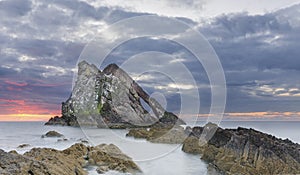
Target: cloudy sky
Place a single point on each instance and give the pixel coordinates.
(257, 44)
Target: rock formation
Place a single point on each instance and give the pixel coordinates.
(110, 98)
(244, 151)
(69, 161)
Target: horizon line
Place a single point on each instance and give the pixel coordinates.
(266, 115)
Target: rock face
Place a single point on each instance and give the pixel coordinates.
(67, 162)
(174, 135)
(245, 151)
(110, 157)
(109, 98)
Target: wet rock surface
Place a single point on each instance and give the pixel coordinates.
(174, 135)
(110, 98)
(70, 161)
(110, 157)
(52, 134)
(23, 145)
(244, 151)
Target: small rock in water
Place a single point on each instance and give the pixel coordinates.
(52, 134)
(62, 140)
(102, 169)
(23, 145)
(83, 141)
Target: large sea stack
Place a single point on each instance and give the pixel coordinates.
(110, 98)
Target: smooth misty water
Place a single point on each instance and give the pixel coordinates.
(152, 158)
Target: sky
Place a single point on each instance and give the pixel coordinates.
(256, 42)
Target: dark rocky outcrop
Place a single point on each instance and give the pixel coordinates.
(110, 98)
(69, 161)
(244, 151)
(64, 120)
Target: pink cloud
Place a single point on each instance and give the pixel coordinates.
(20, 84)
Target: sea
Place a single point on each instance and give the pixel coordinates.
(152, 158)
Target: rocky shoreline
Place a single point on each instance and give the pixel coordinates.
(231, 151)
(112, 99)
(245, 151)
(73, 160)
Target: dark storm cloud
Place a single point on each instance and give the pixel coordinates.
(9, 8)
(260, 56)
(266, 42)
(6, 72)
(247, 83)
(83, 10)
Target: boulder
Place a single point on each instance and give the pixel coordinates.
(58, 162)
(174, 135)
(110, 157)
(62, 140)
(52, 134)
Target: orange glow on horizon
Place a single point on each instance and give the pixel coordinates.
(22, 110)
(26, 117)
(249, 115)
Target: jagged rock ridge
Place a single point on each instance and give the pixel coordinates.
(110, 98)
(244, 151)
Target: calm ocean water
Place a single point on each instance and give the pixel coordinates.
(152, 158)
